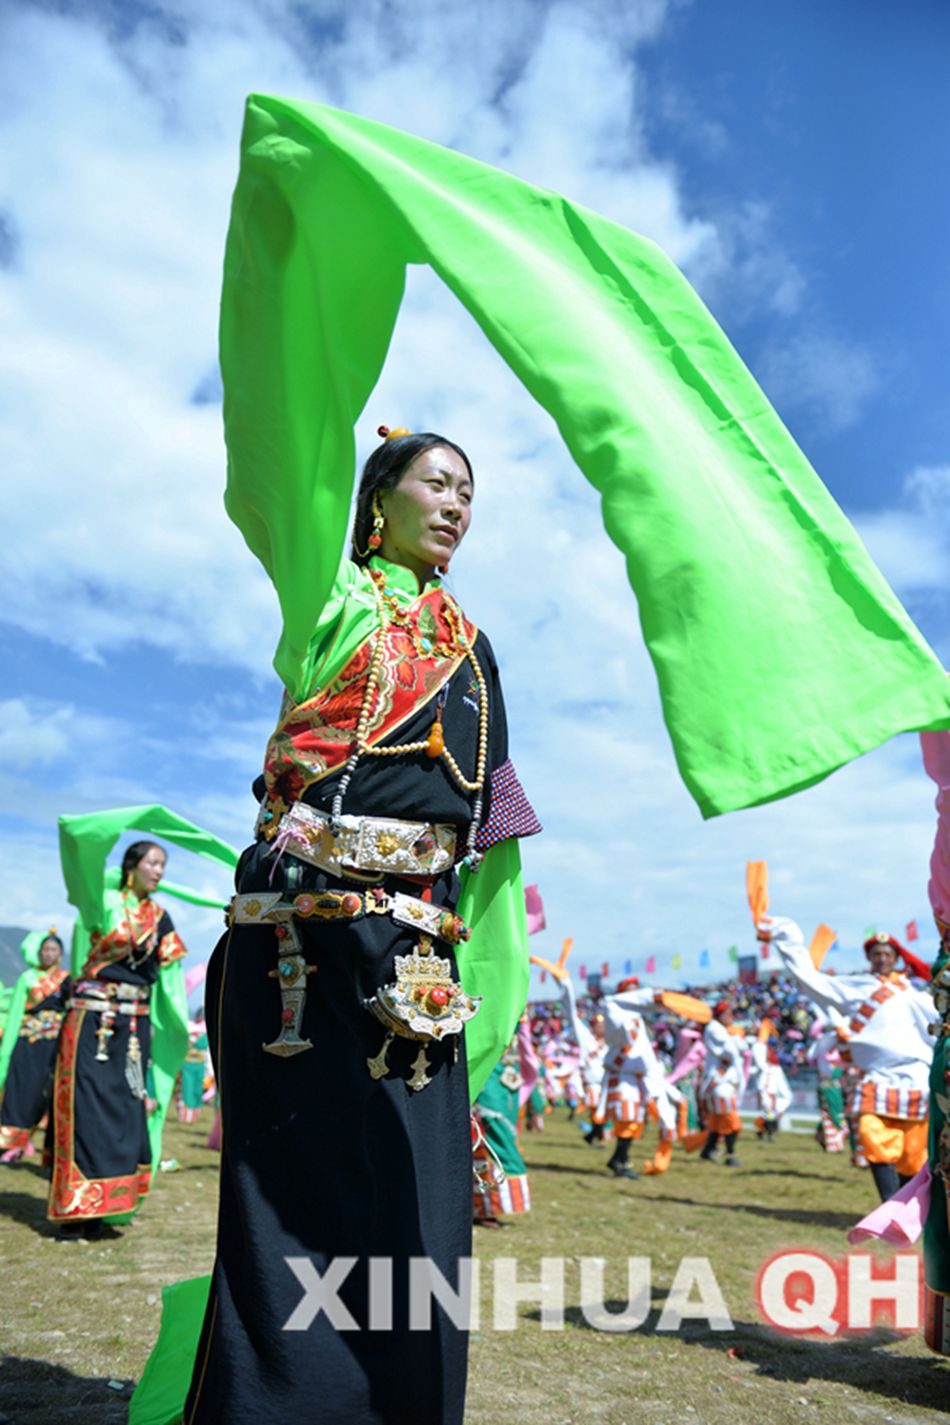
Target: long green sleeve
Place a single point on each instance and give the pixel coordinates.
(85, 841)
(740, 559)
(495, 962)
(13, 1020)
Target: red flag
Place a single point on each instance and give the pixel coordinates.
(910, 931)
(605, 970)
(650, 966)
(544, 975)
(765, 952)
(534, 909)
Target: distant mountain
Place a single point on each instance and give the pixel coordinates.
(11, 966)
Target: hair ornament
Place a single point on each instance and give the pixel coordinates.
(393, 434)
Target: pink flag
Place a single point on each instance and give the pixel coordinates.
(534, 907)
(911, 931)
(650, 966)
(901, 1219)
(583, 972)
(195, 977)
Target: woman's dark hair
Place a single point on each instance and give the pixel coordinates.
(53, 936)
(134, 854)
(383, 471)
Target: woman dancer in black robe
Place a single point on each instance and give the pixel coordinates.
(101, 1154)
(29, 1077)
(335, 1007)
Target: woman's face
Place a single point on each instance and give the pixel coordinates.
(50, 953)
(147, 874)
(428, 512)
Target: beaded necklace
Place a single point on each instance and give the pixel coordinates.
(434, 744)
(133, 958)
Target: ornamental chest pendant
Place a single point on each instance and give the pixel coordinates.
(422, 1003)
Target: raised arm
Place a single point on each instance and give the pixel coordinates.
(582, 1033)
(788, 940)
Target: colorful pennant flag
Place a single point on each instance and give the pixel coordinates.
(686, 1005)
(821, 942)
(677, 961)
(734, 953)
(628, 967)
(757, 889)
(765, 952)
(703, 959)
(650, 966)
(605, 970)
(911, 930)
(534, 909)
(583, 972)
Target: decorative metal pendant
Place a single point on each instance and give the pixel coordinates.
(422, 1003)
(104, 1034)
(419, 1076)
(291, 974)
(134, 1074)
(379, 1066)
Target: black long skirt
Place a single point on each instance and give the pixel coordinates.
(101, 1152)
(321, 1162)
(26, 1094)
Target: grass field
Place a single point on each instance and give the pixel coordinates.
(75, 1317)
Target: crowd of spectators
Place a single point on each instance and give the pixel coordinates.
(775, 997)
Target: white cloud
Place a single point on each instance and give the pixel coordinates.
(828, 377)
(45, 732)
(754, 273)
(910, 542)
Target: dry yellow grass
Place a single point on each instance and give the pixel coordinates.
(72, 1317)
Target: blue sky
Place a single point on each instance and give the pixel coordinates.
(790, 156)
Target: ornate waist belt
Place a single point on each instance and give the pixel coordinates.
(361, 847)
(41, 1024)
(110, 994)
(273, 908)
(107, 998)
